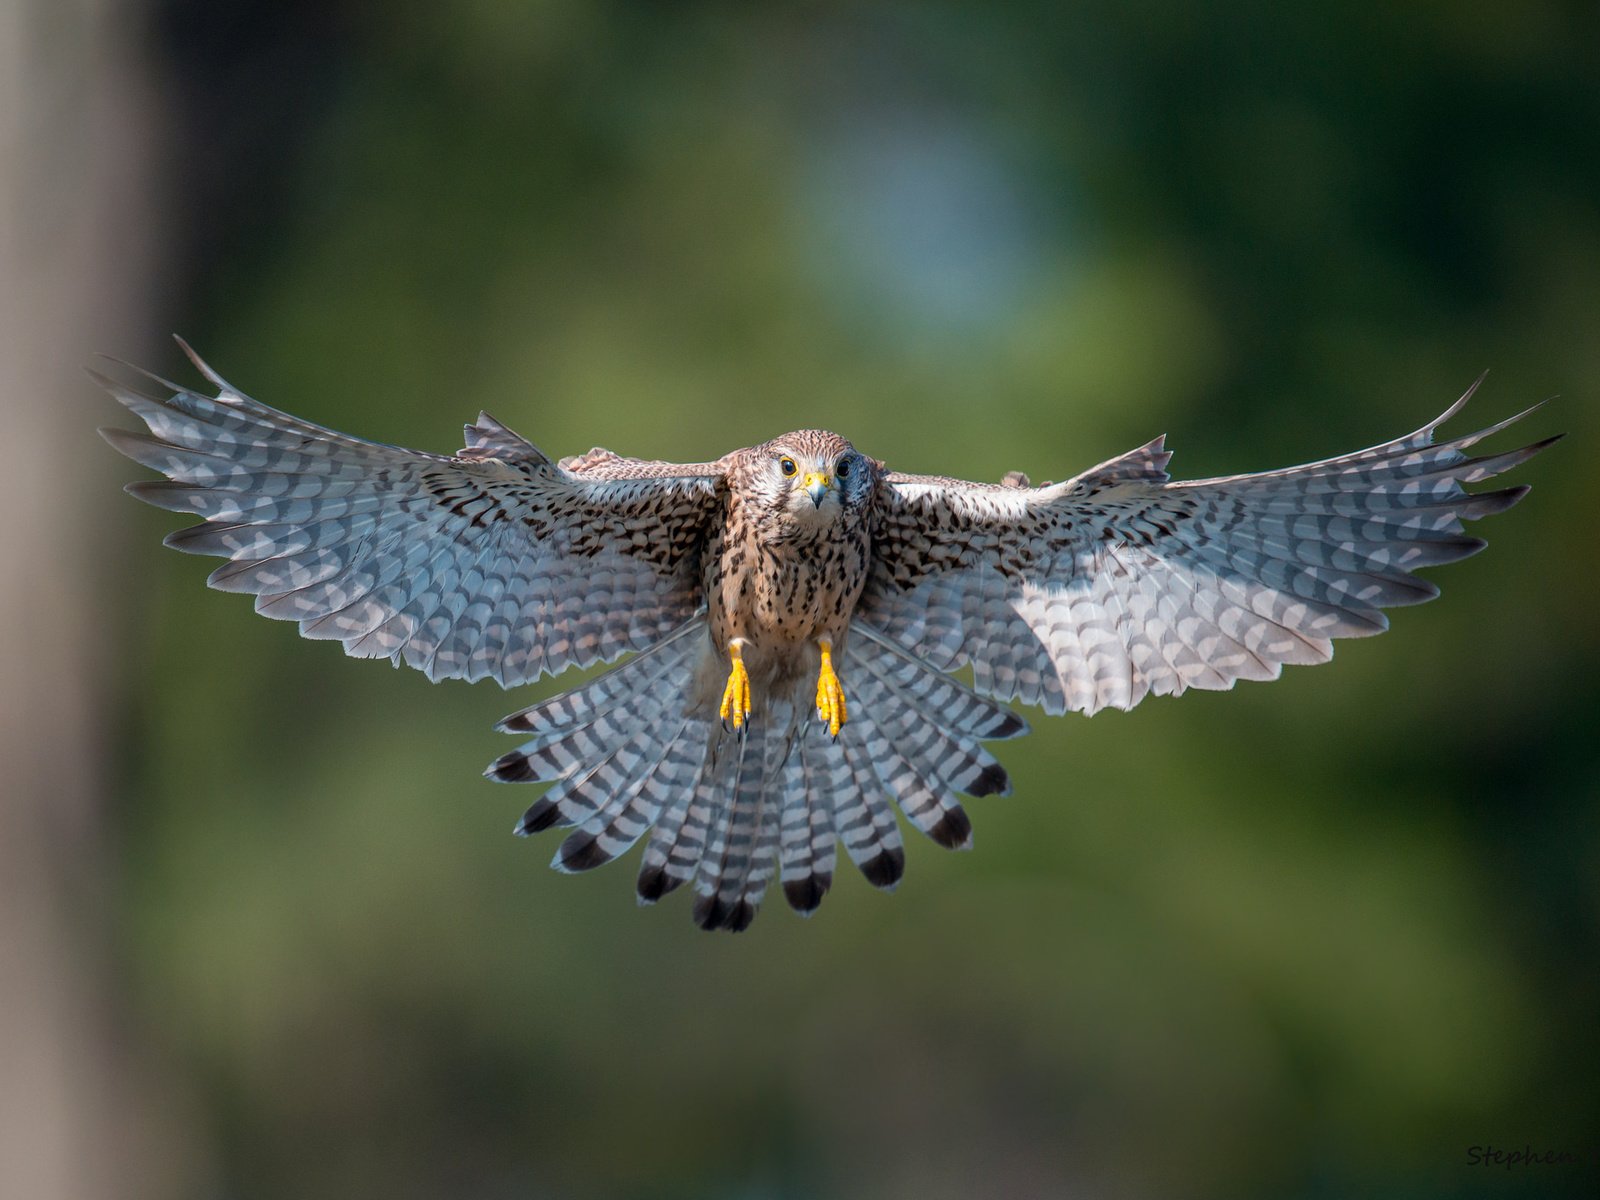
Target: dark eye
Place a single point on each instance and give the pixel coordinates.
(843, 469)
(786, 465)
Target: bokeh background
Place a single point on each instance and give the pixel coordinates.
(263, 930)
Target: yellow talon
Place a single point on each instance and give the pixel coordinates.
(736, 696)
(830, 694)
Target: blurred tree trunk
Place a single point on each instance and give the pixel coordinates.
(78, 1119)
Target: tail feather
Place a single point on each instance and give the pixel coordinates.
(622, 819)
(676, 847)
(726, 811)
(764, 862)
(559, 752)
(941, 699)
(725, 898)
(634, 678)
(867, 826)
(591, 764)
(807, 845)
(941, 758)
(676, 787)
(931, 808)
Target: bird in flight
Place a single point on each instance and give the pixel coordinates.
(793, 609)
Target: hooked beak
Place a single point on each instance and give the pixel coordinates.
(816, 485)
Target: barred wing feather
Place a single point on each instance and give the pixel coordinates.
(1119, 584)
(492, 562)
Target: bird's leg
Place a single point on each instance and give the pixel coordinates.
(830, 693)
(736, 696)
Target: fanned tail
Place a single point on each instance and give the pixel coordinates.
(730, 810)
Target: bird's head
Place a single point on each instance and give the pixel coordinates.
(811, 478)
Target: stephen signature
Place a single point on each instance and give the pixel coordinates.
(1527, 1156)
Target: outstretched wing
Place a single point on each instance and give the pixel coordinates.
(493, 562)
(1104, 589)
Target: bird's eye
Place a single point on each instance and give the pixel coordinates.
(786, 465)
(843, 469)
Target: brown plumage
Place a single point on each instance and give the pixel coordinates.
(792, 609)
(782, 569)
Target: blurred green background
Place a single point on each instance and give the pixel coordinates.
(1313, 940)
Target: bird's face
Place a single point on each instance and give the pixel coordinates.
(812, 479)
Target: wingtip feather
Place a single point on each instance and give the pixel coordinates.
(202, 366)
(1459, 404)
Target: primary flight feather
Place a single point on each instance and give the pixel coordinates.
(793, 609)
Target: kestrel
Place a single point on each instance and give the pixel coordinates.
(792, 609)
